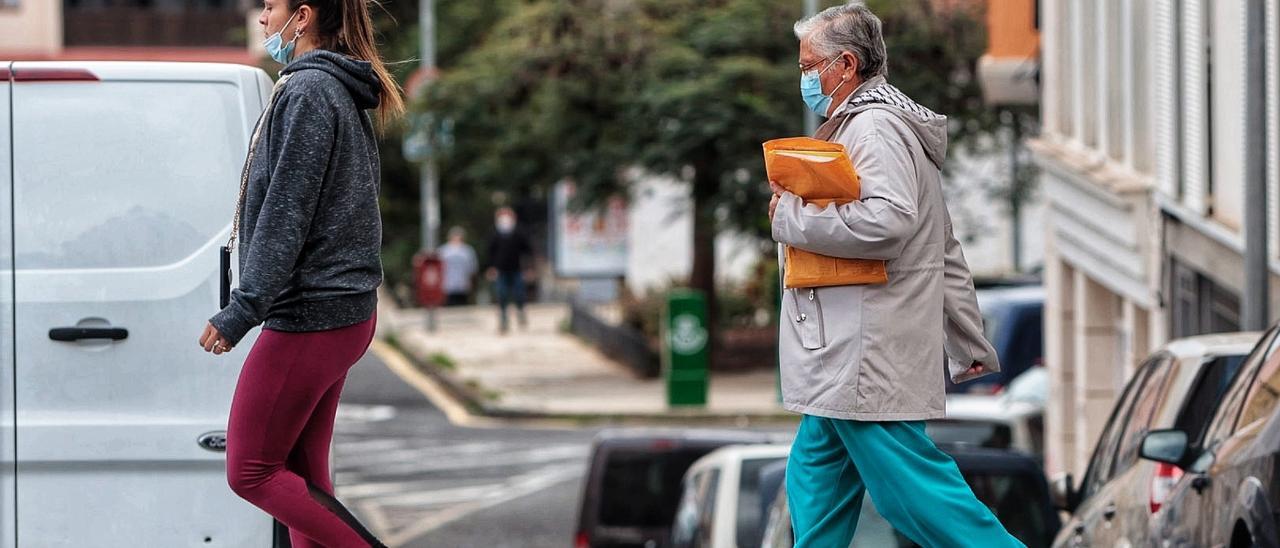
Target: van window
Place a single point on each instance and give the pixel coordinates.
(122, 173)
(642, 488)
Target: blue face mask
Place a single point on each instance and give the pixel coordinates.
(811, 90)
(281, 53)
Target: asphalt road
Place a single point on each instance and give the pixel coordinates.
(417, 480)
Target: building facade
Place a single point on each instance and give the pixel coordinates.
(144, 30)
(1142, 157)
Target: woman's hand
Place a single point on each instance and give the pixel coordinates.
(773, 202)
(974, 371)
(212, 341)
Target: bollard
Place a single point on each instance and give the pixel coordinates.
(685, 341)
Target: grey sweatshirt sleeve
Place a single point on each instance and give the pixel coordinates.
(965, 343)
(302, 133)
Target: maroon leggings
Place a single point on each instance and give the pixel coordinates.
(281, 426)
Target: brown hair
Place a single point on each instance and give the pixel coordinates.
(345, 26)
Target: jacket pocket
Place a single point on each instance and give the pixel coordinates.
(806, 318)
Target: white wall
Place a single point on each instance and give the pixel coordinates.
(661, 239)
(982, 223)
(33, 28)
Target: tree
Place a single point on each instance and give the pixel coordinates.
(585, 89)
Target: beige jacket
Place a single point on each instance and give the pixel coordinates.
(877, 352)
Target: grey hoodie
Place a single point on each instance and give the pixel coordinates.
(876, 352)
(311, 232)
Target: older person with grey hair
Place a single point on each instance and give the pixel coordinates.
(864, 364)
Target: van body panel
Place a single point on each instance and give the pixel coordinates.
(8, 494)
(123, 189)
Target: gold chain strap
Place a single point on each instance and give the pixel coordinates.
(248, 161)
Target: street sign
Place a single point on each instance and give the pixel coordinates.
(685, 345)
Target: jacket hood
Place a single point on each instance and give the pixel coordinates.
(358, 76)
(929, 126)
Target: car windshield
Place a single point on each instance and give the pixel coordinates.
(972, 433)
(1018, 501)
(642, 488)
(750, 520)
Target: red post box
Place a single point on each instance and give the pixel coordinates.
(428, 279)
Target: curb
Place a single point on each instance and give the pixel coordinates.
(464, 407)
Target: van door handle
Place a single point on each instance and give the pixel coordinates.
(70, 334)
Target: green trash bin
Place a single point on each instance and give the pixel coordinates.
(685, 344)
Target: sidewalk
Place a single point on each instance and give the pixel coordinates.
(546, 372)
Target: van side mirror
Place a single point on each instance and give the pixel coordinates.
(1167, 446)
(1063, 492)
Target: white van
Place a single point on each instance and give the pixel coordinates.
(120, 180)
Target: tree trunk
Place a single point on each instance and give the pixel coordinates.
(703, 276)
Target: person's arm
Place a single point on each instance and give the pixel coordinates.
(877, 226)
(304, 129)
(966, 344)
(473, 264)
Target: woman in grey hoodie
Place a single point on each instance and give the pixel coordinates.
(310, 234)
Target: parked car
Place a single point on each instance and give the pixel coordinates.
(1011, 483)
(634, 478)
(720, 507)
(1013, 319)
(1177, 387)
(119, 184)
(1013, 419)
(772, 477)
(1230, 493)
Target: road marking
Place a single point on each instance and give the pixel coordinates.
(454, 410)
(533, 456)
(354, 412)
(521, 486)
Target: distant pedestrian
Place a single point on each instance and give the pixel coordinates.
(460, 267)
(861, 362)
(310, 263)
(510, 254)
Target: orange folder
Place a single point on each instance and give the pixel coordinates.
(820, 173)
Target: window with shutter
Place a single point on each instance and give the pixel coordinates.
(1196, 74)
(1168, 96)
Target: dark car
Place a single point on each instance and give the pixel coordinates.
(1011, 483)
(1013, 319)
(634, 483)
(1229, 494)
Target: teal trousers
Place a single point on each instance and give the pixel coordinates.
(914, 485)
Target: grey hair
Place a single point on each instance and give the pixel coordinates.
(853, 28)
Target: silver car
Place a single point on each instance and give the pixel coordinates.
(1177, 387)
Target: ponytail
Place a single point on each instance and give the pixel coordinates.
(346, 27)
(356, 38)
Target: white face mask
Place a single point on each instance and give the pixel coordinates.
(506, 224)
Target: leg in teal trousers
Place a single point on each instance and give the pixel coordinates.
(914, 485)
